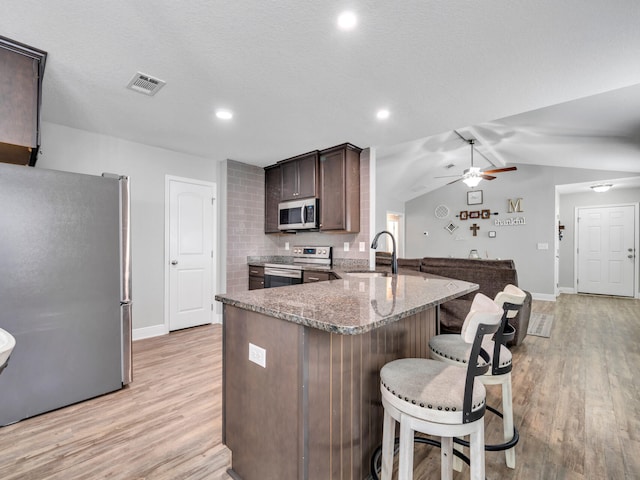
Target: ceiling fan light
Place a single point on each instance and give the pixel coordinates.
(472, 181)
(601, 187)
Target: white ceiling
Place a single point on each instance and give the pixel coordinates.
(296, 83)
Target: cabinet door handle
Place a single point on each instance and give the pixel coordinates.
(314, 279)
(253, 271)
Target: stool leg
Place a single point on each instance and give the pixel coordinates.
(507, 408)
(446, 458)
(388, 434)
(476, 447)
(457, 462)
(405, 464)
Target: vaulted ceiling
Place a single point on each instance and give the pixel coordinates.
(296, 83)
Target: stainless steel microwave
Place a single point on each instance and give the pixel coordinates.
(298, 214)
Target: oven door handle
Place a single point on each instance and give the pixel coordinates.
(282, 272)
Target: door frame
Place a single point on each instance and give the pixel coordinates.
(636, 246)
(214, 226)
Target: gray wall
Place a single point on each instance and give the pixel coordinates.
(568, 204)
(73, 150)
(535, 185)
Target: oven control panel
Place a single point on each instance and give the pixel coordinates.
(301, 252)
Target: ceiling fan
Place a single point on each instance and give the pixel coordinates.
(473, 175)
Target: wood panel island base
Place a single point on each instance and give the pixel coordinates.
(301, 370)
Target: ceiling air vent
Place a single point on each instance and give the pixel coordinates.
(143, 83)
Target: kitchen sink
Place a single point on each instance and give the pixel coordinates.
(369, 274)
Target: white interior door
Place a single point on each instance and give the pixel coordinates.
(191, 253)
(606, 250)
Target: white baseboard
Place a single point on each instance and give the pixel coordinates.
(159, 330)
(545, 297)
(148, 332)
(566, 290)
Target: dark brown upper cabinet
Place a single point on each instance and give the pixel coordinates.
(272, 189)
(340, 189)
(299, 176)
(21, 72)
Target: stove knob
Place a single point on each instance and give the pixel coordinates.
(323, 252)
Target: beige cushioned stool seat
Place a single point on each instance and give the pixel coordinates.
(434, 389)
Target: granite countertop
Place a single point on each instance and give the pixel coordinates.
(354, 304)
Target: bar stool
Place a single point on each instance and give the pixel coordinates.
(453, 350)
(434, 398)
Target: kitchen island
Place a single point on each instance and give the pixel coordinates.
(301, 396)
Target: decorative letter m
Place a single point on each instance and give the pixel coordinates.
(515, 206)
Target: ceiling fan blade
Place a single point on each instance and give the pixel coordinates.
(448, 176)
(487, 177)
(455, 181)
(498, 170)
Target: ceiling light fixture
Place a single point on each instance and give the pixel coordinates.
(224, 114)
(472, 177)
(383, 114)
(601, 187)
(347, 21)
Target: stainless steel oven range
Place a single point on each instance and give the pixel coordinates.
(280, 275)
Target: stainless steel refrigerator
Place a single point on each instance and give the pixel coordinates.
(65, 288)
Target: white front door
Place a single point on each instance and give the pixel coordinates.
(191, 254)
(606, 250)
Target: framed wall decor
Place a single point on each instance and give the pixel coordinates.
(463, 215)
(474, 214)
(474, 197)
(485, 214)
(492, 234)
(451, 227)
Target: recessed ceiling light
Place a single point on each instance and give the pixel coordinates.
(224, 114)
(383, 114)
(347, 20)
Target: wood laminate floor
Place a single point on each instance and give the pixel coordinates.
(166, 425)
(576, 403)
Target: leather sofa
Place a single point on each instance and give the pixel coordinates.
(491, 276)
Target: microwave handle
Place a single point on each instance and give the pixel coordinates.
(304, 214)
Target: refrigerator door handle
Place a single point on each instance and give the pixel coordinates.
(127, 359)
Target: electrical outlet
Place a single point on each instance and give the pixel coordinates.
(362, 246)
(346, 246)
(543, 246)
(286, 245)
(257, 355)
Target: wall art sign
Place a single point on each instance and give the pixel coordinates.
(463, 215)
(484, 214)
(474, 214)
(510, 222)
(474, 197)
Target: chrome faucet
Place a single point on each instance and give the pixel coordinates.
(394, 258)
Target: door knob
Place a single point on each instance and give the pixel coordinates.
(174, 262)
(629, 256)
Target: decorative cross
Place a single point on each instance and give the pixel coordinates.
(475, 229)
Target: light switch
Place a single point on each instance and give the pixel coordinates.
(543, 246)
(286, 245)
(362, 247)
(346, 246)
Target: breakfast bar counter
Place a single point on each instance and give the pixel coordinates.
(301, 396)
